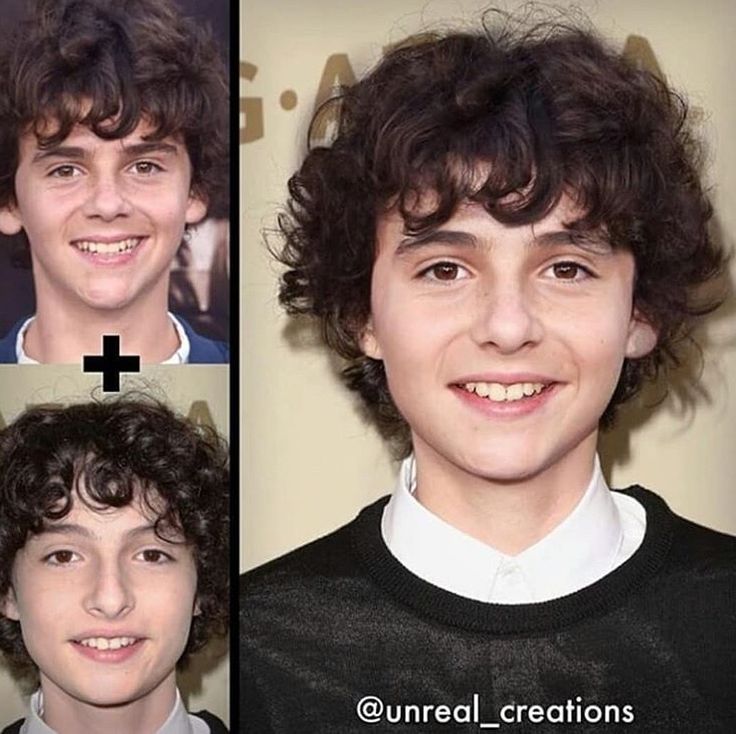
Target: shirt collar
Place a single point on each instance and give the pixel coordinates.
(580, 550)
(180, 356)
(178, 722)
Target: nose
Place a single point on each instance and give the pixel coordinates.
(107, 198)
(507, 317)
(110, 593)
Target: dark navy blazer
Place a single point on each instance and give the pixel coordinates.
(202, 350)
(216, 725)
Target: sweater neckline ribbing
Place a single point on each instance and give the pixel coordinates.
(456, 611)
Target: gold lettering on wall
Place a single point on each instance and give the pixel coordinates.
(200, 415)
(638, 50)
(251, 107)
(337, 74)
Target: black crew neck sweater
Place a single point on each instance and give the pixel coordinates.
(650, 648)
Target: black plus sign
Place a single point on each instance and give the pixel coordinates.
(111, 363)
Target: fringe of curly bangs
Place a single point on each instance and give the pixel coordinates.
(108, 64)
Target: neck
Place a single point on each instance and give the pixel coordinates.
(66, 714)
(62, 332)
(509, 516)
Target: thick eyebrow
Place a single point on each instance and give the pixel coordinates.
(69, 528)
(595, 243)
(436, 236)
(71, 152)
(148, 147)
(592, 242)
(59, 151)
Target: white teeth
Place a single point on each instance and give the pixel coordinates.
(515, 392)
(481, 389)
(107, 248)
(107, 643)
(498, 393)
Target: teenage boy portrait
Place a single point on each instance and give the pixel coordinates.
(113, 139)
(113, 531)
(504, 240)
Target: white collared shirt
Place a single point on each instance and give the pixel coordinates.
(601, 532)
(180, 356)
(179, 721)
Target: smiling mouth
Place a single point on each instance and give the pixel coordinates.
(108, 248)
(497, 392)
(107, 643)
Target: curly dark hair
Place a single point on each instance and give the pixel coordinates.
(125, 450)
(555, 111)
(107, 64)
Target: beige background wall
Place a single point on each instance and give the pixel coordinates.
(309, 462)
(200, 391)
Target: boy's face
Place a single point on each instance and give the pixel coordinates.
(104, 218)
(502, 345)
(105, 606)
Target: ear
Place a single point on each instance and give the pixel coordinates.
(642, 336)
(9, 606)
(10, 221)
(197, 609)
(196, 208)
(368, 342)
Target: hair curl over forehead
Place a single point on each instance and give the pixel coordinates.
(109, 64)
(111, 454)
(542, 111)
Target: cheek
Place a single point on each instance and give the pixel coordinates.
(46, 611)
(413, 336)
(170, 604)
(45, 214)
(597, 346)
(169, 218)
(601, 319)
(418, 352)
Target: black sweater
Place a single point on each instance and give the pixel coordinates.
(651, 646)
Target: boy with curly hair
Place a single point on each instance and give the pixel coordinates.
(113, 548)
(503, 241)
(113, 138)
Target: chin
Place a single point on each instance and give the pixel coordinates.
(107, 301)
(106, 694)
(505, 472)
(109, 699)
(493, 465)
(504, 463)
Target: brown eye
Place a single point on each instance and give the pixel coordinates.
(153, 555)
(60, 557)
(569, 271)
(444, 271)
(146, 168)
(64, 172)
